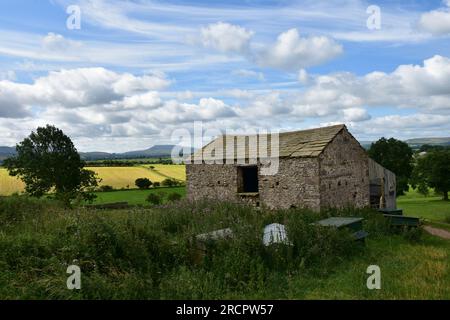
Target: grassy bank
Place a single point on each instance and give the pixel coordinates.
(148, 253)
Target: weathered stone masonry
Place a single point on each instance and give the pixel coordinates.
(318, 168)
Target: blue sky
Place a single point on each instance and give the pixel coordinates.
(138, 70)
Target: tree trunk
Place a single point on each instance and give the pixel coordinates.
(446, 195)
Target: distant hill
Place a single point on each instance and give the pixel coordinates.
(431, 141)
(6, 152)
(158, 151)
(416, 142)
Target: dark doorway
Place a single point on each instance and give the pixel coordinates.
(249, 179)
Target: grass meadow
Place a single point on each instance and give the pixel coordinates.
(134, 197)
(431, 208)
(149, 253)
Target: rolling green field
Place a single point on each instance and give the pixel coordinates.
(117, 177)
(431, 208)
(134, 197)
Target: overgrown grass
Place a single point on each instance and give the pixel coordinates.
(150, 254)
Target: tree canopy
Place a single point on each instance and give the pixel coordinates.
(47, 161)
(394, 155)
(433, 171)
(143, 183)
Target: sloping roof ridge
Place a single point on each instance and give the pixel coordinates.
(284, 132)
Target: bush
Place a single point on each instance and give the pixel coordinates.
(155, 199)
(173, 196)
(169, 182)
(156, 184)
(143, 183)
(106, 188)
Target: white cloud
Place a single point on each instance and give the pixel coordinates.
(175, 112)
(80, 87)
(149, 100)
(355, 114)
(56, 42)
(292, 52)
(425, 87)
(436, 22)
(226, 37)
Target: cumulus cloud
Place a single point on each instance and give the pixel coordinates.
(56, 42)
(293, 52)
(436, 22)
(226, 37)
(96, 102)
(355, 114)
(80, 87)
(208, 109)
(149, 100)
(426, 87)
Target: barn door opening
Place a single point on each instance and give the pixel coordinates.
(248, 178)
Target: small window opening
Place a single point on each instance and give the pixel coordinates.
(248, 177)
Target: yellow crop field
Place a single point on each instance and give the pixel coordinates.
(117, 177)
(171, 170)
(8, 184)
(123, 177)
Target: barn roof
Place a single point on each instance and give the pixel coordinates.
(295, 144)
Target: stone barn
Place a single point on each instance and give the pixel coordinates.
(317, 168)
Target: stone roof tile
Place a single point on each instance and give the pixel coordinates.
(304, 143)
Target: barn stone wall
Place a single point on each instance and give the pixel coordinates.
(295, 185)
(214, 181)
(344, 173)
(339, 177)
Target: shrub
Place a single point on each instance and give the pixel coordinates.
(154, 198)
(169, 182)
(173, 196)
(143, 183)
(106, 188)
(156, 184)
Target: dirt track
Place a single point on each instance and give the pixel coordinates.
(441, 233)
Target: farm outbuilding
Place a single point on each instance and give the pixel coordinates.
(316, 168)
